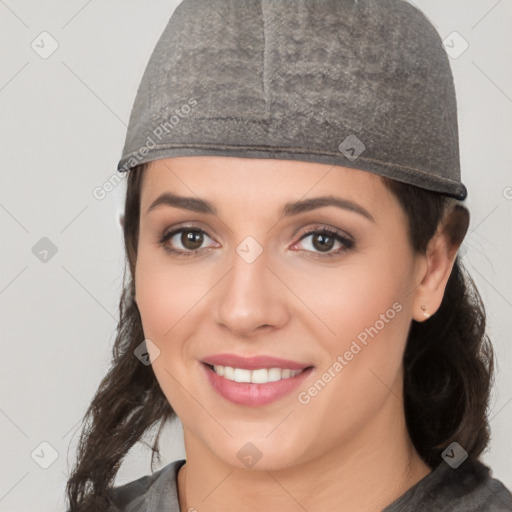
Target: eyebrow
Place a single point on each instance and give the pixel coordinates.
(289, 209)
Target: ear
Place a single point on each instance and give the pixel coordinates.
(440, 257)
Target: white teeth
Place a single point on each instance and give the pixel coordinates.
(242, 375)
(229, 373)
(274, 374)
(259, 376)
(286, 374)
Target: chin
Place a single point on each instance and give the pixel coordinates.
(259, 454)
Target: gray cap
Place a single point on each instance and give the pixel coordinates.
(364, 84)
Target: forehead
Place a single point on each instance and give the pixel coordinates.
(229, 178)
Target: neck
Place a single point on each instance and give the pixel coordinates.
(368, 473)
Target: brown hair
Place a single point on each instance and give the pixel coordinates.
(448, 363)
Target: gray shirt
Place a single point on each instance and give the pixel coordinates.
(469, 488)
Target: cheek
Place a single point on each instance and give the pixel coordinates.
(371, 329)
(361, 367)
(365, 306)
(369, 291)
(165, 293)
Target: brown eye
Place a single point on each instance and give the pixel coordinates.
(323, 242)
(185, 241)
(191, 240)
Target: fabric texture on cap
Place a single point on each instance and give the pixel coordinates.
(364, 84)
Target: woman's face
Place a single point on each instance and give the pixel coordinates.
(265, 282)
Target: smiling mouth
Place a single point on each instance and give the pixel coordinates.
(256, 376)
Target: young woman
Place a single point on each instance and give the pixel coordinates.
(292, 220)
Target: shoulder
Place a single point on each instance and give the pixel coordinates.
(155, 492)
(474, 489)
(469, 488)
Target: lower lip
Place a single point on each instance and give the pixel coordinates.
(250, 394)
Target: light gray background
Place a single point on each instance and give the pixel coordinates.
(62, 129)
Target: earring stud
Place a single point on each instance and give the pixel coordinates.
(424, 309)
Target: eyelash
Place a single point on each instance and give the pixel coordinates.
(348, 243)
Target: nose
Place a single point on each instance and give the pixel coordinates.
(251, 297)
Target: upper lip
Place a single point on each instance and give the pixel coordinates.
(254, 362)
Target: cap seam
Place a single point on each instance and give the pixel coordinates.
(291, 150)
